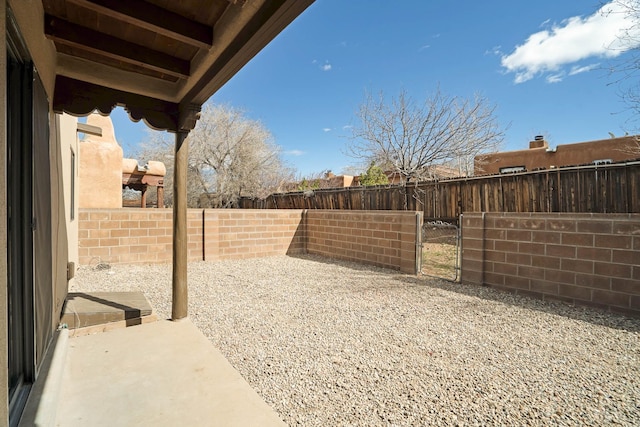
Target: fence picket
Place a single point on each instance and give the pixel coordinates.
(611, 188)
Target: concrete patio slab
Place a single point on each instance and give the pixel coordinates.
(161, 374)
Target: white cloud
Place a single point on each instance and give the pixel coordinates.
(602, 34)
(294, 152)
(494, 51)
(324, 67)
(555, 78)
(584, 69)
(326, 129)
(426, 46)
(347, 127)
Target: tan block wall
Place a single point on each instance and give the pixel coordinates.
(250, 233)
(588, 259)
(124, 236)
(383, 238)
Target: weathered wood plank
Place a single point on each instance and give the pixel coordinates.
(611, 188)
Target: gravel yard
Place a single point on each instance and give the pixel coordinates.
(331, 343)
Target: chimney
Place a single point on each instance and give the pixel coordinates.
(538, 142)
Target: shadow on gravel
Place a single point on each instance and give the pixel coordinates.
(347, 264)
(586, 314)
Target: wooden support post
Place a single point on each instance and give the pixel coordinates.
(180, 291)
(143, 198)
(160, 197)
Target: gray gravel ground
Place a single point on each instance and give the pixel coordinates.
(331, 343)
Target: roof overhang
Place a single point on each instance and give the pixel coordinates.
(160, 59)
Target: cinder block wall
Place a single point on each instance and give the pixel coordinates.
(588, 259)
(145, 235)
(249, 233)
(383, 238)
(133, 235)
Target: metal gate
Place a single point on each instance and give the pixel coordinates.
(441, 249)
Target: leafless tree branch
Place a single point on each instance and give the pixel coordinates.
(230, 156)
(409, 138)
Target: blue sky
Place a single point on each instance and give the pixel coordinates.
(543, 64)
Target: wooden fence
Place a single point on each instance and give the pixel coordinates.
(612, 188)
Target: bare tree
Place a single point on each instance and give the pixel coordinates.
(626, 69)
(410, 138)
(230, 156)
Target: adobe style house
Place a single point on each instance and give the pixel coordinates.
(104, 172)
(541, 156)
(160, 60)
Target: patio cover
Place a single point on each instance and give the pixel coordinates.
(160, 60)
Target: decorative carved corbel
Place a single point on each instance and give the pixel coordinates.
(189, 116)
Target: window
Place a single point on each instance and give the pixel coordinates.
(513, 169)
(602, 162)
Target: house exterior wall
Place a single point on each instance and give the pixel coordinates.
(587, 259)
(60, 226)
(67, 129)
(123, 236)
(615, 149)
(101, 167)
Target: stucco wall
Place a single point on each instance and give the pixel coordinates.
(615, 149)
(100, 167)
(67, 127)
(64, 229)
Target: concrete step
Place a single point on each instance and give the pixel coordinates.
(99, 311)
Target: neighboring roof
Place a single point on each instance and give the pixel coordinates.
(152, 167)
(540, 155)
(160, 59)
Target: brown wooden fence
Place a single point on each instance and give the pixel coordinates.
(612, 188)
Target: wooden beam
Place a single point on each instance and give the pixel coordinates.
(179, 300)
(89, 129)
(85, 39)
(98, 59)
(153, 18)
(266, 23)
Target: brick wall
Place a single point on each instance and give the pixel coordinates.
(247, 233)
(589, 259)
(384, 238)
(133, 235)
